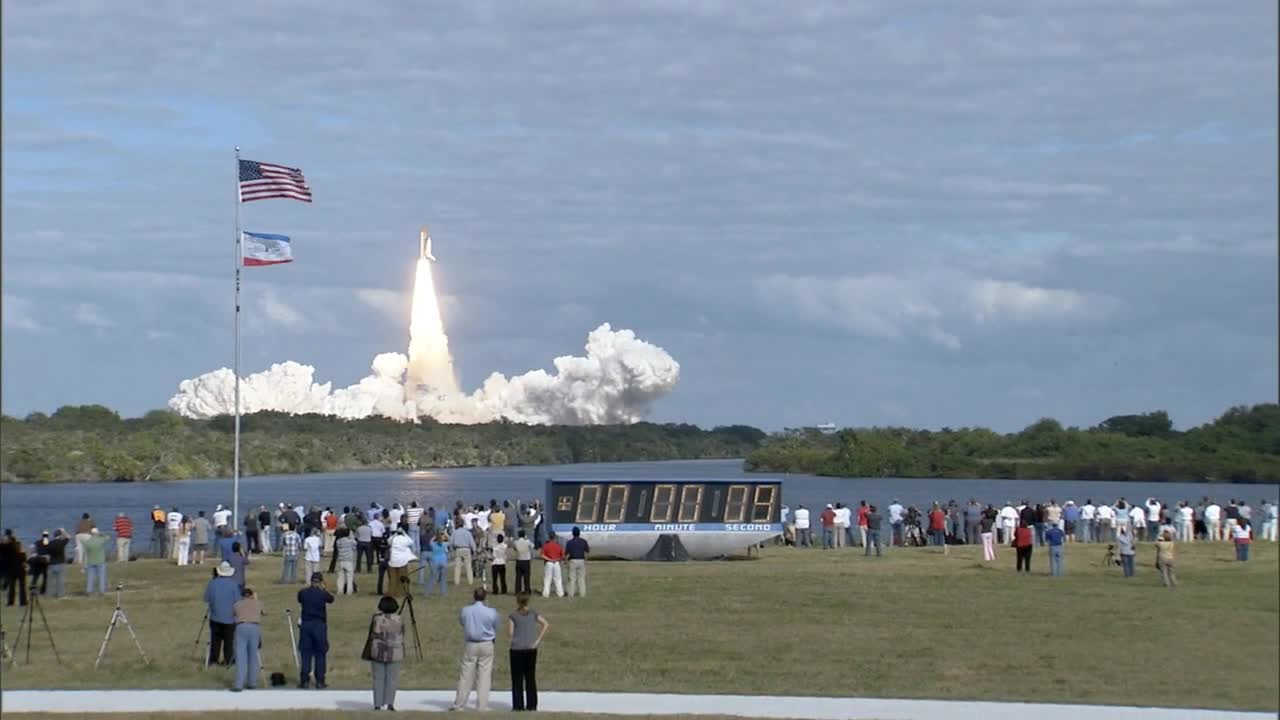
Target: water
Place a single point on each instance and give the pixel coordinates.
(28, 509)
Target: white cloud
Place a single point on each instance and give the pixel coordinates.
(279, 312)
(17, 314)
(1001, 299)
(91, 315)
(390, 303)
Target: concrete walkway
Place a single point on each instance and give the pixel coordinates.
(85, 702)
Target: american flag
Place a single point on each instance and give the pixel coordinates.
(261, 181)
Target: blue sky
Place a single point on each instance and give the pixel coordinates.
(867, 213)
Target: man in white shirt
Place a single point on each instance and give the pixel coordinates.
(1088, 516)
(1008, 522)
(1213, 521)
(1138, 519)
(788, 530)
(172, 525)
(221, 516)
(377, 528)
(802, 526)
(1106, 528)
(396, 513)
(1153, 518)
(842, 524)
(311, 553)
(895, 522)
(1186, 522)
(398, 559)
(1269, 519)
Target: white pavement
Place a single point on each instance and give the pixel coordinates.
(85, 702)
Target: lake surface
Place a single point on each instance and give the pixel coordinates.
(28, 509)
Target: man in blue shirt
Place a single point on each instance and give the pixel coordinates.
(221, 595)
(313, 630)
(463, 544)
(576, 549)
(1054, 537)
(479, 628)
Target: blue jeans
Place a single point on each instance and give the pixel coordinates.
(938, 537)
(873, 538)
(1055, 559)
(828, 538)
(1242, 552)
(896, 538)
(95, 574)
(424, 560)
(1039, 534)
(289, 569)
(248, 637)
(437, 574)
(1126, 561)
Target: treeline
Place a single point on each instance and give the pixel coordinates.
(1242, 446)
(93, 443)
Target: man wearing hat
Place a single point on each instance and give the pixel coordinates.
(221, 595)
(313, 630)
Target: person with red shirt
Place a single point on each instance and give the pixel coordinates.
(1022, 545)
(828, 518)
(124, 536)
(863, 511)
(552, 555)
(938, 527)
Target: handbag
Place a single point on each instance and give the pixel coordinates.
(367, 653)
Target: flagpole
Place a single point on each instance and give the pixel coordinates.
(239, 259)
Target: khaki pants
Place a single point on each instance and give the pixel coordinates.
(173, 543)
(862, 533)
(328, 540)
(122, 549)
(346, 577)
(578, 577)
(80, 538)
(840, 533)
(461, 561)
(477, 672)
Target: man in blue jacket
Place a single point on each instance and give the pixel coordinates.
(221, 595)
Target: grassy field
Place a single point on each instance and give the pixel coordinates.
(912, 624)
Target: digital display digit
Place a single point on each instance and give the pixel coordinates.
(588, 504)
(691, 503)
(664, 504)
(766, 499)
(735, 511)
(615, 503)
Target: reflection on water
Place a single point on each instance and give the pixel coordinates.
(30, 508)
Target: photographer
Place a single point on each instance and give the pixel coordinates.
(221, 595)
(398, 559)
(248, 638)
(313, 630)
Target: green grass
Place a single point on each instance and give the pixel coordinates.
(913, 624)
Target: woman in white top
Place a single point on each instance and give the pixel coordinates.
(499, 565)
(1138, 518)
(184, 542)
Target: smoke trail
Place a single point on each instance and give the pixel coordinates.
(617, 381)
(430, 365)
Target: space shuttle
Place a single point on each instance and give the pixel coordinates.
(424, 245)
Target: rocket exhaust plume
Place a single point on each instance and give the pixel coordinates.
(430, 365)
(617, 381)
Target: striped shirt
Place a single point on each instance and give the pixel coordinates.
(123, 527)
(290, 543)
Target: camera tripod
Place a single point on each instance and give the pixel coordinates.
(407, 602)
(116, 617)
(28, 624)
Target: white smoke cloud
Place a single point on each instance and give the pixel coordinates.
(617, 381)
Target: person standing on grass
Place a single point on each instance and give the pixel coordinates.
(158, 549)
(1088, 513)
(862, 523)
(1124, 545)
(1022, 544)
(896, 538)
(82, 533)
(526, 629)
(1186, 520)
(264, 529)
(172, 528)
(438, 571)
(200, 532)
(252, 533)
(58, 563)
(1138, 521)
(95, 562)
(552, 555)
(124, 536)
(1070, 519)
(311, 553)
(464, 545)
(1164, 560)
(841, 526)
(577, 550)
(13, 568)
(803, 534)
(873, 531)
(1240, 532)
(1213, 521)
(398, 559)
(937, 526)
(386, 652)
(290, 544)
(1054, 537)
(1269, 519)
(1008, 521)
(344, 550)
(523, 550)
(313, 629)
(479, 628)
(221, 595)
(986, 530)
(499, 567)
(248, 638)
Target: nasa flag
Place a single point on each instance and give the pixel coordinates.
(265, 249)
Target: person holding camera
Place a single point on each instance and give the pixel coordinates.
(248, 638)
(313, 630)
(384, 649)
(398, 559)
